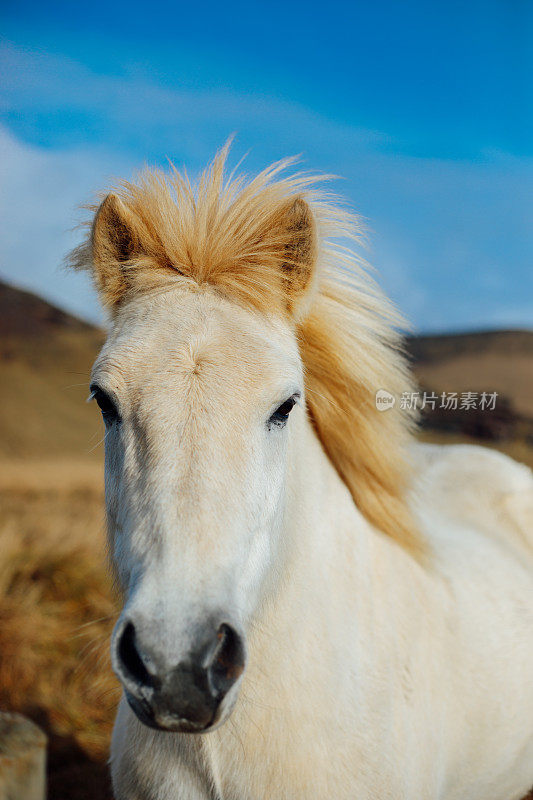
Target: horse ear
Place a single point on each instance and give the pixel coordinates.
(300, 249)
(114, 242)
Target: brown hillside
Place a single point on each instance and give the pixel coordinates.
(490, 361)
(45, 360)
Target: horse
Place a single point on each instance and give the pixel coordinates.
(315, 606)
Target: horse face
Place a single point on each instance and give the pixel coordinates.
(196, 394)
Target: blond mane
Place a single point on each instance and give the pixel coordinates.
(227, 232)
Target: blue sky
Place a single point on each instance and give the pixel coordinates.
(421, 107)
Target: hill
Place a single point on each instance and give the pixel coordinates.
(500, 361)
(45, 360)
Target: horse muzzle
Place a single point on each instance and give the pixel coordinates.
(186, 697)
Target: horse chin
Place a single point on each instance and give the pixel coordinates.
(170, 723)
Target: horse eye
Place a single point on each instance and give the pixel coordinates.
(106, 405)
(281, 414)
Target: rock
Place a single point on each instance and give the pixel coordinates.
(22, 759)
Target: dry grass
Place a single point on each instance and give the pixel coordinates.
(56, 613)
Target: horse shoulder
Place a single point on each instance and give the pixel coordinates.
(481, 488)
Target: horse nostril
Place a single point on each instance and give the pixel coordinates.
(228, 660)
(130, 659)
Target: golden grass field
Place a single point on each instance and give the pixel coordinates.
(57, 605)
(56, 613)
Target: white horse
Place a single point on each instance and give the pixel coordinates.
(314, 606)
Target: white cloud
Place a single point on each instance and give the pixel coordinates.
(40, 194)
